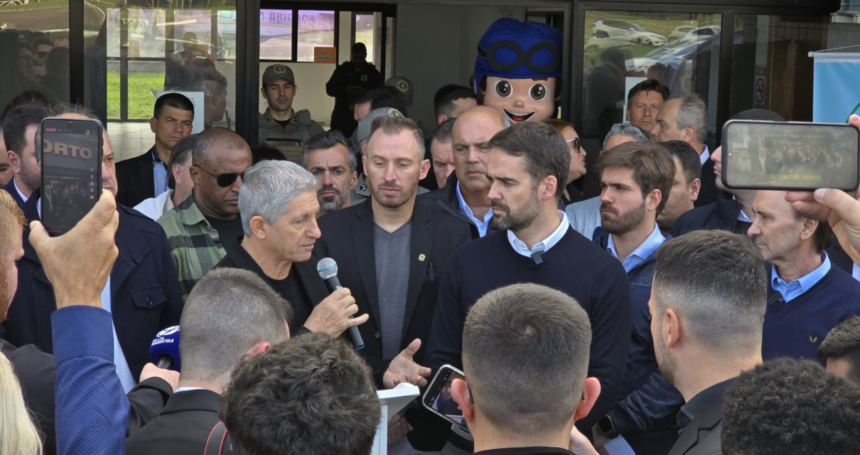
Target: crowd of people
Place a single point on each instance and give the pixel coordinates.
(615, 301)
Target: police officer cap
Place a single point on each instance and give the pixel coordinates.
(363, 131)
(275, 72)
(518, 50)
(404, 85)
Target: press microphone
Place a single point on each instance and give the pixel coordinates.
(327, 269)
(164, 350)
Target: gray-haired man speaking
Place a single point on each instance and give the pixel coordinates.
(278, 206)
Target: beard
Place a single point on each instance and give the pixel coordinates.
(5, 297)
(31, 178)
(623, 223)
(516, 220)
(330, 203)
(665, 362)
(389, 201)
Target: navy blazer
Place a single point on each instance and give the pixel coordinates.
(10, 188)
(145, 294)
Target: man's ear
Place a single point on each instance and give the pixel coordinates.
(425, 169)
(550, 185)
(441, 118)
(177, 172)
(152, 123)
(463, 397)
(671, 328)
(808, 228)
(695, 187)
(354, 180)
(14, 162)
(654, 198)
(258, 227)
(257, 349)
(195, 176)
(590, 392)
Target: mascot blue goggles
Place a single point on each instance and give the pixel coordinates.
(507, 55)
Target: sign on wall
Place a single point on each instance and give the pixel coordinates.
(325, 55)
(835, 92)
(759, 87)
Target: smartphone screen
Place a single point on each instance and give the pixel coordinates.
(71, 171)
(438, 397)
(789, 155)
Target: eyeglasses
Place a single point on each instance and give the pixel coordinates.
(574, 143)
(224, 180)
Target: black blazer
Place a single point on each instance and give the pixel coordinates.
(182, 427)
(709, 193)
(347, 237)
(144, 289)
(135, 179)
(312, 286)
(37, 376)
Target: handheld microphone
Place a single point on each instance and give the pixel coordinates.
(164, 350)
(327, 269)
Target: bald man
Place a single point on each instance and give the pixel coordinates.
(142, 293)
(466, 191)
(208, 218)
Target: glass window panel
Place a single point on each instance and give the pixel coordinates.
(29, 59)
(624, 48)
(276, 34)
(146, 33)
(113, 17)
(316, 29)
(364, 33)
(771, 67)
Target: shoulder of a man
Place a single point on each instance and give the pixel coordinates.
(339, 220)
(693, 220)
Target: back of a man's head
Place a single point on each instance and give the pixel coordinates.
(790, 406)
(310, 395)
(525, 356)
(228, 312)
(716, 282)
(841, 350)
(445, 98)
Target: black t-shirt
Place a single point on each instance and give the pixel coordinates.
(229, 232)
(283, 123)
(290, 290)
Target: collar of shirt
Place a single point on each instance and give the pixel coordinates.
(188, 389)
(15, 183)
(705, 155)
(796, 288)
(742, 216)
(520, 247)
(642, 252)
(482, 225)
(855, 272)
(708, 398)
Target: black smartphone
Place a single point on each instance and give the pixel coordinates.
(789, 155)
(438, 400)
(71, 171)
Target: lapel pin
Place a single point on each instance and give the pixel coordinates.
(812, 340)
(421, 257)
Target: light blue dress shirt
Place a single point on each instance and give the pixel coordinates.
(482, 225)
(159, 174)
(642, 252)
(796, 288)
(122, 369)
(521, 248)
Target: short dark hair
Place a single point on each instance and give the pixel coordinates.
(445, 131)
(174, 100)
(823, 236)
(327, 140)
(525, 354)
(180, 155)
(41, 40)
(843, 342)
(443, 100)
(28, 97)
(546, 154)
(326, 400)
(649, 85)
(717, 281)
(790, 406)
(653, 167)
(388, 96)
(16, 123)
(691, 164)
(217, 135)
(57, 61)
(229, 311)
(359, 47)
(266, 152)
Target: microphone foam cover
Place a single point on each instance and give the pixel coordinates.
(327, 268)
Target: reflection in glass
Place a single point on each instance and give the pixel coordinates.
(624, 48)
(316, 29)
(276, 34)
(364, 31)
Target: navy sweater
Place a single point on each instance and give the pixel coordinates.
(574, 266)
(796, 329)
(648, 404)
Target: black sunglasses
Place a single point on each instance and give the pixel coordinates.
(224, 180)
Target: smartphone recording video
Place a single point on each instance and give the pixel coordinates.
(789, 155)
(71, 171)
(438, 397)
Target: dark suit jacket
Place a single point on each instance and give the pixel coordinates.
(709, 193)
(182, 428)
(312, 286)
(37, 376)
(144, 290)
(348, 238)
(701, 436)
(135, 179)
(445, 199)
(10, 188)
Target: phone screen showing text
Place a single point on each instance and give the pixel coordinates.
(69, 165)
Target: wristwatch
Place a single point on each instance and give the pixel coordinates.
(607, 428)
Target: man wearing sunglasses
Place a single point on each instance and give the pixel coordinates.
(207, 221)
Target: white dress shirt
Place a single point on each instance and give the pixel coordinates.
(520, 247)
